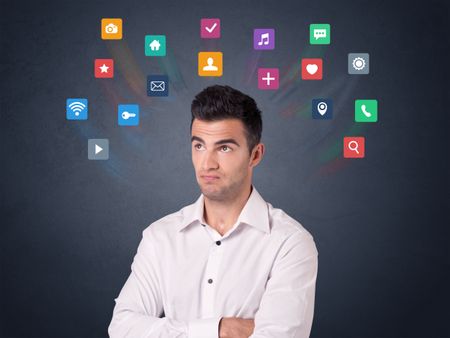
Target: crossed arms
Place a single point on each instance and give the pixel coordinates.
(286, 308)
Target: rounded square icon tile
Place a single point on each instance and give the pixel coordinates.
(319, 34)
(366, 110)
(98, 149)
(155, 45)
(210, 63)
(111, 29)
(358, 63)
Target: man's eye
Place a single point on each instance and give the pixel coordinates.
(225, 149)
(197, 146)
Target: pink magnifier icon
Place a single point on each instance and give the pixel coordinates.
(353, 146)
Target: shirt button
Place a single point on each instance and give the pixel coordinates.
(210, 281)
(203, 224)
(218, 242)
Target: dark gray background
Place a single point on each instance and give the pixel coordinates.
(70, 227)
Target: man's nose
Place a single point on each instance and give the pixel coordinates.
(209, 161)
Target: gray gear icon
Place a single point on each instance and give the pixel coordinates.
(358, 63)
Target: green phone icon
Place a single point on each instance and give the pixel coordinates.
(366, 110)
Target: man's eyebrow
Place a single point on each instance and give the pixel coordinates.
(196, 138)
(228, 140)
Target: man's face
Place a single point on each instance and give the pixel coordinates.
(222, 163)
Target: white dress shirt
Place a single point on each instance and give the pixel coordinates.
(185, 276)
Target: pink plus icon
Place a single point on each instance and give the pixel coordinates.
(268, 78)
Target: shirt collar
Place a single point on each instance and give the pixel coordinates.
(255, 212)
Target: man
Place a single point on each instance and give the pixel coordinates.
(229, 265)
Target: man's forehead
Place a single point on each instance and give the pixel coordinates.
(218, 129)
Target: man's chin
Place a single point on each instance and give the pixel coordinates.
(212, 191)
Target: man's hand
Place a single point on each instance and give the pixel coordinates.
(236, 327)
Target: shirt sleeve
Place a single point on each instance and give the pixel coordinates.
(287, 307)
(138, 308)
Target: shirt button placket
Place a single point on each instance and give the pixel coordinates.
(212, 270)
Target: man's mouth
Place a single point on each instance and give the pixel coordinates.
(210, 178)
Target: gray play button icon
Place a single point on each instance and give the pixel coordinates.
(98, 149)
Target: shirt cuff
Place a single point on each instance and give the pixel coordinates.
(204, 328)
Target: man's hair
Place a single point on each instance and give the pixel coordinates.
(216, 103)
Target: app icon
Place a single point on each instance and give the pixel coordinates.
(312, 69)
(268, 78)
(210, 28)
(104, 68)
(155, 45)
(210, 64)
(354, 147)
(264, 38)
(128, 114)
(157, 85)
(77, 109)
(111, 29)
(322, 109)
(358, 63)
(98, 149)
(319, 34)
(366, 110)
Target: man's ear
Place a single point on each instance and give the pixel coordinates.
(257, 154)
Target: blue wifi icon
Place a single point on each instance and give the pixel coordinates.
(77, 109)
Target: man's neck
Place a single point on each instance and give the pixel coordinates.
(222, 215)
